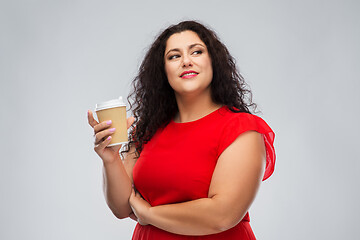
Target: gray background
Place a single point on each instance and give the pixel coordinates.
(59, 58)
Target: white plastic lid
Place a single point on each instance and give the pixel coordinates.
(110, 104)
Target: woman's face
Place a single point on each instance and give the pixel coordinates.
(188, 64)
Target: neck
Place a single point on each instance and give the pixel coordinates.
(192, 108)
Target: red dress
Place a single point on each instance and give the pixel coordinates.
(177, 164)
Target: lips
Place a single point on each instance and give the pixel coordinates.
(189, 74)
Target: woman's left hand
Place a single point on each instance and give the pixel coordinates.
(140, 207)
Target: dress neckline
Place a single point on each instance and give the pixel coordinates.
(206, 117)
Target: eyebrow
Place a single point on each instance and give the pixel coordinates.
(190, 47)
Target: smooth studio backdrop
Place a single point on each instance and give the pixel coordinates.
(59, 58)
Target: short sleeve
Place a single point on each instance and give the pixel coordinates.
(242, 122)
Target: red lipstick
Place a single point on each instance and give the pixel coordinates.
(189, 74)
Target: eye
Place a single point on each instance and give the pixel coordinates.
(173, 57)
(198, 52)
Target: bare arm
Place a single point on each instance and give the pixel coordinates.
(235, 182)
(118, 184)
(117, 174)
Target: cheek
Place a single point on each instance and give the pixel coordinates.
(169, 74)
(209, 69)
(169, 70)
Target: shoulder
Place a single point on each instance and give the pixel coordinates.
(238, 123)
(239, 119)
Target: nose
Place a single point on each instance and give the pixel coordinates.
(187, 61)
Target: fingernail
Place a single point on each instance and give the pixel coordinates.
(112, 130)
(109, 122)
(109, 137)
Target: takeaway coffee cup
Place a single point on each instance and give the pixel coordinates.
(114, 110)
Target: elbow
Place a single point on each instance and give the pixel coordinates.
(119, 210)
(121, 214)
(225, 223)
(225, 217)
(223, 226)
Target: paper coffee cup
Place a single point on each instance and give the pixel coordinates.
(114, 110)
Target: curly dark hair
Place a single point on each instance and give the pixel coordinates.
(154, 99)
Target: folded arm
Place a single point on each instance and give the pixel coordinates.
(235, 182)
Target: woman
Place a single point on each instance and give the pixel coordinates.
(197, 155)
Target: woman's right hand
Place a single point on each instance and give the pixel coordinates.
(102, 134)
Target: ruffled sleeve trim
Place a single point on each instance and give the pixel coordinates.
(239, 123)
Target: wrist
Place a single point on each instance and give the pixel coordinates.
(113, 161)
(149, 215)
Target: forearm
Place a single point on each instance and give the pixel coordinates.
(117, 188)
(198, 217)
